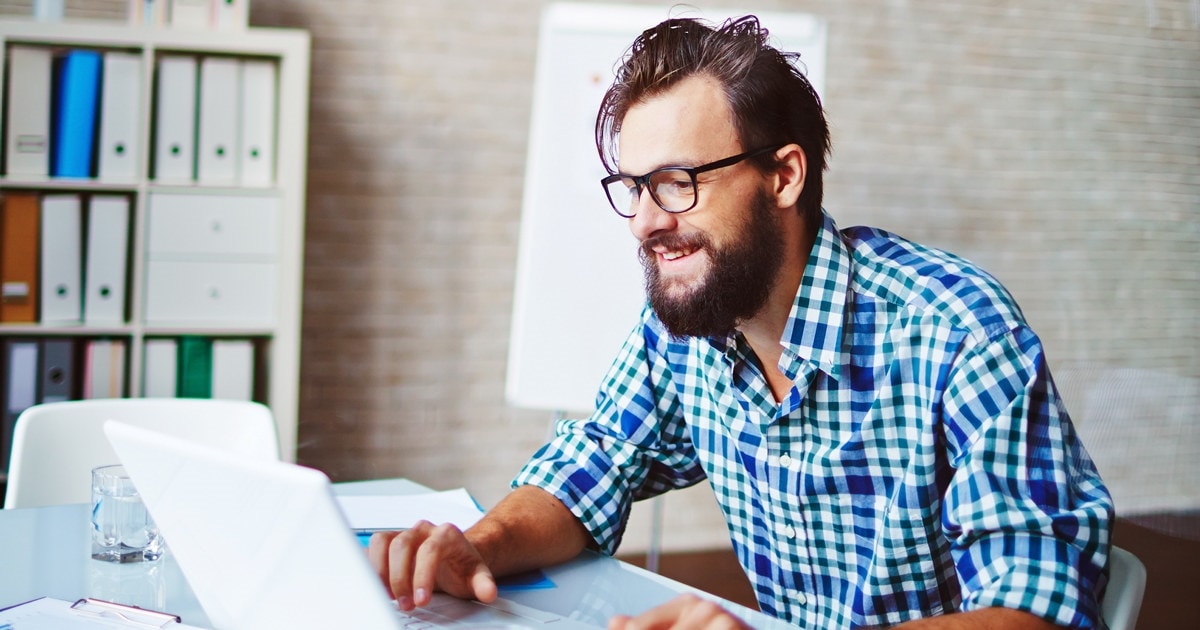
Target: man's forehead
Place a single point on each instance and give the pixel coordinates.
(690, 123)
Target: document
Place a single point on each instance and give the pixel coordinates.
(27, 143)
(61, 256)
(107, 253)
(75, 114)
(159, 374)
(174, 145)
(48, 613)
(217, 153)
(391, 512)
(120, 116)
(20, 225)
(257, 142)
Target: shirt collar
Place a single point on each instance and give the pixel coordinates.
(814, 327)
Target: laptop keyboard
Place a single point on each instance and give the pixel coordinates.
(450, 612)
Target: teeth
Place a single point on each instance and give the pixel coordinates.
(674, 255)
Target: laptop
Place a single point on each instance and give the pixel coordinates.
(263, 544)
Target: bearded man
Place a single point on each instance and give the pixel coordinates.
(876, 418)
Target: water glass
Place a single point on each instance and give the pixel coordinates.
(122, 530)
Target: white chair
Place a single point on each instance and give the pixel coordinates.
(1126, 585)
(56, 445)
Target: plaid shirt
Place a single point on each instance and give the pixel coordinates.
(923, 463)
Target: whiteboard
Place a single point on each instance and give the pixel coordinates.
(578, 289)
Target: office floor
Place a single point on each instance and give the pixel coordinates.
(1169, 546)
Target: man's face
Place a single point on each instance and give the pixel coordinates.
(713, 266)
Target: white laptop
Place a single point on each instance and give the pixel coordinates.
(263, 544)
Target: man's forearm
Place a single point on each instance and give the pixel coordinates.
(528, 529)
(983, 619)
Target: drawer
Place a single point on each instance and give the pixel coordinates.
(191, 292)
(216, 225)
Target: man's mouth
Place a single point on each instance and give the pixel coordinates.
(677, 253)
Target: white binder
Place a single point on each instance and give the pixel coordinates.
(62, 239)
(27, 142)
(120, 113)
(232, 369)
(107, 247)
(192, 14)
(217, 153)
(158, 375)
(104, 369)
(174, 145)
(231, 15)
(259, 95)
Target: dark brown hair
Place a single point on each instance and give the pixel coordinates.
(771, 99)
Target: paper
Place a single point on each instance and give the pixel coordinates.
(49, 613)
(389, 512)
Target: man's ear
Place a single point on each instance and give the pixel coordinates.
(791, 166)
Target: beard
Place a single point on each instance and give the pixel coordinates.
(738, 282)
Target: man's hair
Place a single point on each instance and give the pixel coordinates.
(771, 100)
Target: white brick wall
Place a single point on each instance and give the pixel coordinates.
(1058, 144)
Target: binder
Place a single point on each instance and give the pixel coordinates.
(104, 369)
(147, 12)
(159, 374)
(57, 376)
(233, 369)
(231, 15)
(194, 374)
(75, 114)
(61, 257)
(107, 253)
(217, 151)
(120, 115)
(191, 14)
(257, 142)
(20, 388)
(27, 128)
(19, 237)
(174, 144)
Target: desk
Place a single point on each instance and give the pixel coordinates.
(46, 551)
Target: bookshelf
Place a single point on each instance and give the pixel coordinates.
(214, 246)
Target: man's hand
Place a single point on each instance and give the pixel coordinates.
(686, 612)
(428, 557)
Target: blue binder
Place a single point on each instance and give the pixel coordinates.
(75, 113)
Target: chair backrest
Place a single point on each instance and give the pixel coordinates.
(1126, 585)
(56, 445)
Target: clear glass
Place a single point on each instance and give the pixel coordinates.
(122, 530)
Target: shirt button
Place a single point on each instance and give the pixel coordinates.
(790, 532)
(785, 461)
(799, 598)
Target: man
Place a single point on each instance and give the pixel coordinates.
(876, 418)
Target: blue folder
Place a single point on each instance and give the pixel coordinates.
(75, 114)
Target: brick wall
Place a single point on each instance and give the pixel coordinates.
(1058, 144)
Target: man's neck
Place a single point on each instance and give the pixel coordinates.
(764, 330)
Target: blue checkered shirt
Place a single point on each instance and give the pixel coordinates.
(923, 462)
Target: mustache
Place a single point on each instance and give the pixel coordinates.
(670, 241)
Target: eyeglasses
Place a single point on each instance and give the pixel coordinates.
(673, 188)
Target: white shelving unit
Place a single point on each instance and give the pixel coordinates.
(273, 327)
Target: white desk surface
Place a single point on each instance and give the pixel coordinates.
(45, 552)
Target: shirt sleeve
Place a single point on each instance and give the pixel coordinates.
(634, 446)
(1027, 516)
